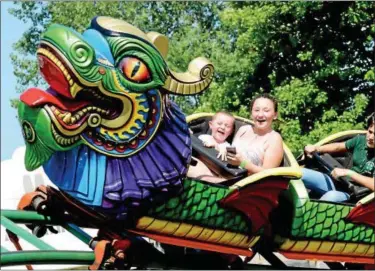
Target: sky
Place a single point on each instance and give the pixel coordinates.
(11, 31)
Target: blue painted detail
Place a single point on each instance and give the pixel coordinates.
(79, 172)
(99, 43)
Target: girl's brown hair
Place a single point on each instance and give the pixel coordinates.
(265, 96)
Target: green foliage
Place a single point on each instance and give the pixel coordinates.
(315, 57)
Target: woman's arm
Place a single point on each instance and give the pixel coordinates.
(272, 157)
(274, 153)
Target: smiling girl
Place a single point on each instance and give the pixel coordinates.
(258, 147)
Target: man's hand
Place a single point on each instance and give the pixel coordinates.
(340, 172)
(310, 149)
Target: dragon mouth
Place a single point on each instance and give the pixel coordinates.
(71, 106)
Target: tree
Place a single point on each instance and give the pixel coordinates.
(315, 57)
(188, 33)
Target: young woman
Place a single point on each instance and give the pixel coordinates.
(258, 146)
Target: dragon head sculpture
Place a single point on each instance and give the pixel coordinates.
(105, 128)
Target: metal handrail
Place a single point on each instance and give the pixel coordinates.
(32, 239)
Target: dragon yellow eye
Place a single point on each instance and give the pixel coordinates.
(135, 70)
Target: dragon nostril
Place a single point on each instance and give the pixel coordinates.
(101, 70)
(94, 120)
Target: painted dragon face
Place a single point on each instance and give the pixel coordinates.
(108, 90)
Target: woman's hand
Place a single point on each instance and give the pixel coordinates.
(340, 172)
(235, 159)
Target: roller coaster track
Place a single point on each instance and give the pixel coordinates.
(47, 254)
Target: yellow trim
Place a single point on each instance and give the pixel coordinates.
(228, 237)
(206, 233)
(195, 232)
(312, 246)
(300, 246)
(331, 138)
(328, 247)
(289, 172)
(237, 239)
(183, 230)
(367, 199)
(157, 225)
(362, 250)
(172, 227)
(350, 248)
(252, 241)
(338, 248)
(217, 235)
(371, 251)
(144, 222)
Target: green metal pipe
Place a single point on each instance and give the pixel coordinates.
(47, 257)
(18, 216)
(8, 224)
(77, 232)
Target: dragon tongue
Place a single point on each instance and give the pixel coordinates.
(35, 97)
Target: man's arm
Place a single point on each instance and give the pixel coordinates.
(332, 148)
(362, 180)
(354, 176)
(329, 148)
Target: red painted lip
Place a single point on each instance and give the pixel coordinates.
(54, 76)
(35, 97)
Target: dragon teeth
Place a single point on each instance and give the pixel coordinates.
(67, 118)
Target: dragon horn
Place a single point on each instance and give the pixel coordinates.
(197, 78)
(160, 42)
